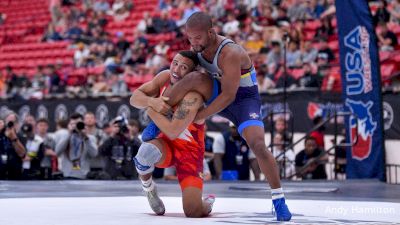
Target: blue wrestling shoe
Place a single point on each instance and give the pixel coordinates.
(150, 132)
(281, 210)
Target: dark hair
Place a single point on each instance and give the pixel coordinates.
(75, 116)
(201, 20)
(63, 123)
(309, 138)
(190, 55)
(42, 120)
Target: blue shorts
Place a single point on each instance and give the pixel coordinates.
(245, 110)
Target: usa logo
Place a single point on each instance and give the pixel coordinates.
(366, 127)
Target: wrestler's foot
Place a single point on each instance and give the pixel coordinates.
(281, 209)
(150, 132)
(155, 202)
(210, 201)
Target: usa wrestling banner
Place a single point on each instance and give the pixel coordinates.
(359, 62)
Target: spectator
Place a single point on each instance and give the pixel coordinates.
(387, 40)
(81, 55)
(293, 55)
(324, 48)
(309, 79)
(96, 163)
(61, 130)
(232, 157)
(310, 162)
(122, 43)
(325, 30)
(284, 159)
(309, 53)
(51, 34)
(119, 151)
(275, 55)
(35, 151)
(281, 127)
(74, 32)
(382, 15)
(164, 24)
(145, 25)
(395, 12)
(75, 149)
(101, 6)
(12, 150)
(297, 10)
(231, 27)
(134, 129)
(187, 12)
(49, 163)
(319, 134)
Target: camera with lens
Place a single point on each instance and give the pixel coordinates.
(80, 126)
(10, 124)
(122, 124)
(26, 129)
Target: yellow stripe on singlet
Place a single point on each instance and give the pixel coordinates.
(245, 75)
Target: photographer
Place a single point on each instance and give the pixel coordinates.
(119, 150)
(34, 153)
(76, 149)
(12, 150)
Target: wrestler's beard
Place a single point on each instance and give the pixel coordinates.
(202, 48)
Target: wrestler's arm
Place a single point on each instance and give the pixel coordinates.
(194, 81)
(145, 95)
(230, 80)
(182, 118)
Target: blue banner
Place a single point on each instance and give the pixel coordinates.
(360, 69)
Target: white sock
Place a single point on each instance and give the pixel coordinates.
(277, 193)
(147, 185)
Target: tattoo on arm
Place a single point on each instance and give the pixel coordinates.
(182, 111)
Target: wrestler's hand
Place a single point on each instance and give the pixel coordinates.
(159, 105)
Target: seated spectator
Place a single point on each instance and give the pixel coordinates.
(284, 159)
(281, 127)
(74, 32)
(309, 163)
(387, 40)
(275, 55)
(101, 6)
(395, 12)
(297, 10)
(81, 54)
(51, 34)
(187, 12)
(325, 30)
(381, 15)
(145, 25)
(122, 43)
(170, 172)
(314, 9)
(231, 27)
(293, 55)
(309, 79)
(308, 53)
(232, 157)
(324, 48)
(319, 134)
(164, 24)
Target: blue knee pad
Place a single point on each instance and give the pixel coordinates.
(147, 156)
